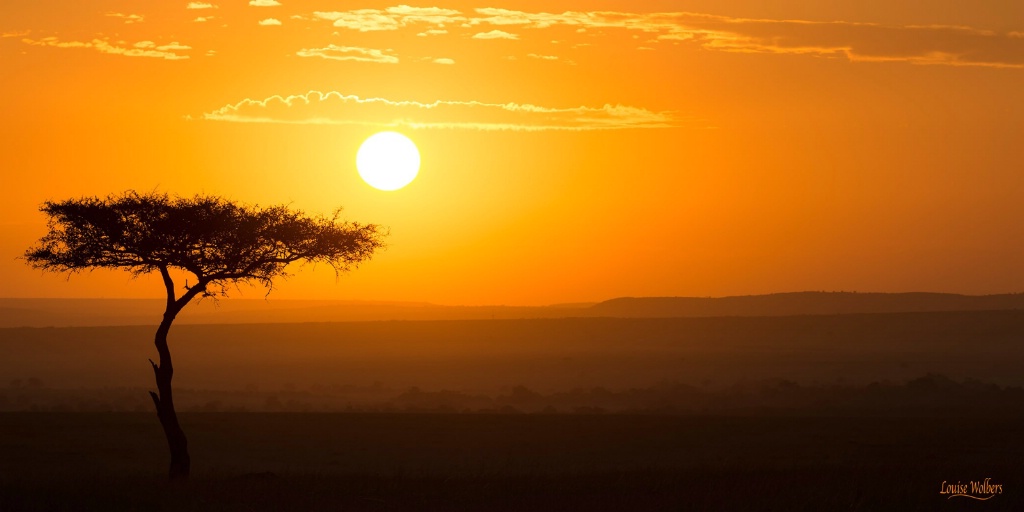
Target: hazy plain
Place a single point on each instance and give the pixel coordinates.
(810, 412)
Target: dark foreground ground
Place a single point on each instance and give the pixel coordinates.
(371, 462)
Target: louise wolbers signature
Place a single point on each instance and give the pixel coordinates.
(977, 490)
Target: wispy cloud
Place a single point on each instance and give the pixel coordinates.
(270, 22)
(139, 49)
(495, 34)
(128, 18)
(200, 5)
(203, 19)
(435, 15)
(317, 107)
(363, 20)
(543, 57)
(858, 42)
(355, 53)
(264, 3)
(170, 47)
(494, 16)
(392, 18)
(444, 61)
(21, 33)
(853, 41)
(433, 32)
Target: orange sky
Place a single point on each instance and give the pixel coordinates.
(698, 148)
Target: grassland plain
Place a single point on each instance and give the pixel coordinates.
(960, 429)
(545, 355)
(536, 462)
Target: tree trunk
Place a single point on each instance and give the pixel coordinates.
(164, 400)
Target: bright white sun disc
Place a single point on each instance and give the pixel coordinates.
(388, 160)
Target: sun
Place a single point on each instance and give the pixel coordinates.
(388, 160)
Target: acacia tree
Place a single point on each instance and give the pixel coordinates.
(220, 242)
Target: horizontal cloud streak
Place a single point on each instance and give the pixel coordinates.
(139, 49)
(495, 34)
(864, 42)
(857, 42)
(128, 18)
(335, 52)
(333, 107)
(928, 44)
(392, 18)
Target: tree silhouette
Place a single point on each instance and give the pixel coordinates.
(220, 242)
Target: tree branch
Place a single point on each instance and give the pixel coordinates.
(190, 294)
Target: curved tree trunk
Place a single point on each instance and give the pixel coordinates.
(164, 400)
(181, 463)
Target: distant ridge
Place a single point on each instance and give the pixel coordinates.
(803, 303)
(110, 312)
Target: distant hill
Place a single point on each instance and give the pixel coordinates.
(108, 312)
(803, 303)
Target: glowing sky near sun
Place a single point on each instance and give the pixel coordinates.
(570, 151)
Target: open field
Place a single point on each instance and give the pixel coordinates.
(829, 412)
(545, 355)
(105, 312)
(252, 461)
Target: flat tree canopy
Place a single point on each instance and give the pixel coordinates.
(218, 240)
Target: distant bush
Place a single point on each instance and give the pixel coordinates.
(932, 393)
